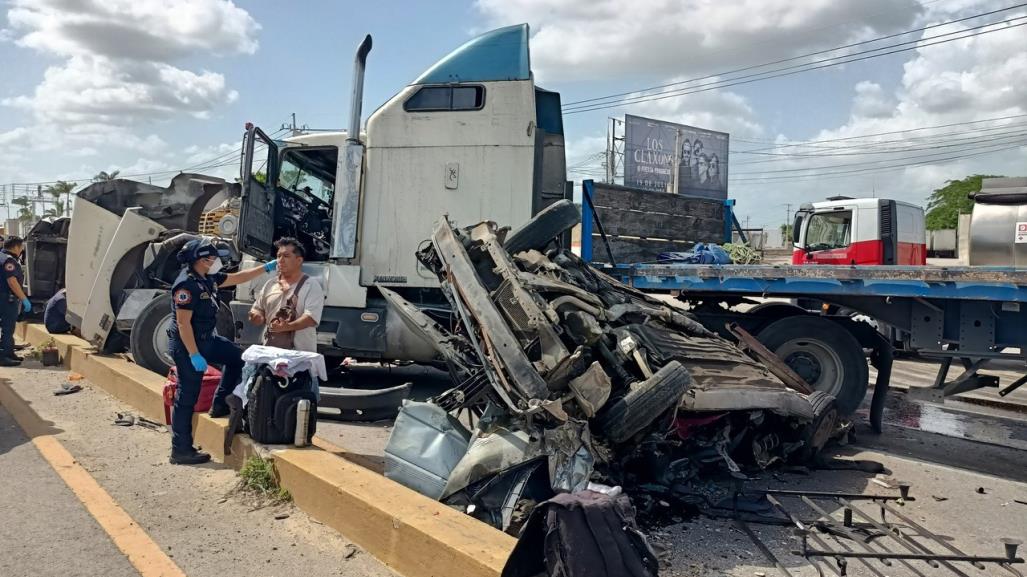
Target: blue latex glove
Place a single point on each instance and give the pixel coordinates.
(270, 266)
(26, 305)
(199, 363)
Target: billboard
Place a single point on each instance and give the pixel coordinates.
(650, 147)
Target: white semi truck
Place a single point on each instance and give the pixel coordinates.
(472, 137)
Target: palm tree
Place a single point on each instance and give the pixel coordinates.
(27, 210)
(56, 190)
(104, 176)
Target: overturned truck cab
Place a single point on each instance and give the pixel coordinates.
(120, 261)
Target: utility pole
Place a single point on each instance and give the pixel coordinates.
(610, 166)
(788, 218)
(676, 162)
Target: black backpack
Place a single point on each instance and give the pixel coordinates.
(271, 406)
(584, 534)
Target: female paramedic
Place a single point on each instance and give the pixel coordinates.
(194, 341)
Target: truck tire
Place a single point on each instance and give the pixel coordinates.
(553, 221)
(817, 432)
(824, 354)
(148, 341)
(625, 417)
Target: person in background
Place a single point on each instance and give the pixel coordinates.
(12, 298)
(55, 314)
(193, 340)
(289, 305)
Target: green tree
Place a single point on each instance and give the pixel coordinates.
(57, 190)
(946, 203)
(26, 210)
(104, 176)
(786, 234)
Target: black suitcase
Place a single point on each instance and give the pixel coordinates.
(271, 407)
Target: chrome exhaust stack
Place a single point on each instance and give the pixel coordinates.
(347, 189)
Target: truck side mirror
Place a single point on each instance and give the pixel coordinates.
(797, 228)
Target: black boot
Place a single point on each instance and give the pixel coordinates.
(193, 457)
(8, 362)
(218, 409)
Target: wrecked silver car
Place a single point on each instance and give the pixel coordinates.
(566, 377)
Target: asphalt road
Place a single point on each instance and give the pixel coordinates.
(195, 515)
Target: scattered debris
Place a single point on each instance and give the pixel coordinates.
(281, 516)
(982, 491)
(567, 377)
(67, 389)
(939, 498)
(349, 551)
(75, 376)
(1020, 501)
(129, 420)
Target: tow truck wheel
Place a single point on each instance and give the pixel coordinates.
(824, 354)
(148, 340)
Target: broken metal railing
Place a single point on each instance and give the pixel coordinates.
(859, 537)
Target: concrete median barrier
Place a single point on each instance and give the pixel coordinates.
(414, 535)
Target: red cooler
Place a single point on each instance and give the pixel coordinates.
(211, 379)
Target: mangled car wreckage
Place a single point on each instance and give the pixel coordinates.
(565, 377)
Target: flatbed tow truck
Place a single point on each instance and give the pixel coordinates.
(972, 315)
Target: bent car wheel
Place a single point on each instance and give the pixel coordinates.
(553, 221)
(818, 432)
(625, 417)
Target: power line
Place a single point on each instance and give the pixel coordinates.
(932, 145)
(849, 173)
(789, 71)
(1022, 137)
(793, 58)
(214, 162)
(903, 131)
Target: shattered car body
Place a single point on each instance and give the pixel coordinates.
(573, 377)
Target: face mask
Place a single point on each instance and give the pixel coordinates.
(214, 268)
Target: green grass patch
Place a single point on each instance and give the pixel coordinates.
(258, 476)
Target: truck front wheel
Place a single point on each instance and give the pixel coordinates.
(149, 337)
(824, 354)
(149, 341)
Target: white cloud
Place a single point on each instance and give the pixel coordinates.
(589, 39)
(871, 101)
(958, 82)
(724, 111)
(149, 30)
(96, 89)
(120, 69)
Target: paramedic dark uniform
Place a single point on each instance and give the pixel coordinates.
(198, 294)
(10, 304)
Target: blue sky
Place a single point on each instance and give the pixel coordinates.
(147, 86)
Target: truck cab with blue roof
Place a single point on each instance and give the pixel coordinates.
(472, 137)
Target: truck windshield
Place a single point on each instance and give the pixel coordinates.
(309, 172)
(829, 230)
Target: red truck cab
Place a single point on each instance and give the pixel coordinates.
(859, 231)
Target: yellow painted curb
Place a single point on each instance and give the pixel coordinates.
(414, 535)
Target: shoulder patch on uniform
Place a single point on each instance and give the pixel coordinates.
(10, 266)
(183, 297)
